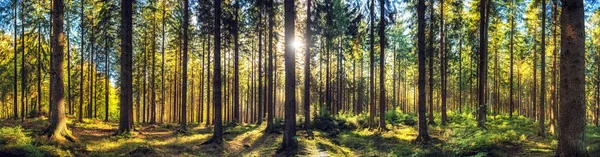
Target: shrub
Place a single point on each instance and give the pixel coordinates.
(13, 136)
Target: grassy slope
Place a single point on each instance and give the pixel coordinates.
(504, 137)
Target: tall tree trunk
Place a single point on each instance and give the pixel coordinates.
(382, 42)
(289, 136)
(162, 67)
(572, 81)
(217, 137)
(209, 119)
(260, 69)
(152, 77)
(58, 124)
(15, 94)
(92, 70)
(541, 131)
(39, 72)
(510, 84)
(23, 70)
(307, 55)
(144, 79)
(483, 56)
(126, 61)
(372, 110)
(553, 97)
(431, 60)
(236, 64)
(270, 83)
(423, 136)
(183, 122)
(80, 115)
(107, 78)
(443, 62)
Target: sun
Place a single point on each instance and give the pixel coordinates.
(296, 44)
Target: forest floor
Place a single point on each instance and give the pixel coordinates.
(503, 137)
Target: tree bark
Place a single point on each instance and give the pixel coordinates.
(290, 142)
(542, 131)
(307, 55)
(126, 61)
(483, 56)
(572, 81)
(217, 137)
(423, 136)
(58, 124)
(382, 42)
(183, 123)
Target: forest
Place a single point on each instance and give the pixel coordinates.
(300, 78)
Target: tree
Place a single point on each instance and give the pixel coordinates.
(58, 123)
(307, 55)
(126, 62)
(541, 131)
(270, 84)
(183, 127)
(423, 136)
(431, 59)
(289, 136)
(152, 77)
(483, 56)
(15, 104)
(443, 62)
(572, 81)
(510, 85)
(372, 110)
(381, 66)
(236, 64)
(217, 137)
(80, 115)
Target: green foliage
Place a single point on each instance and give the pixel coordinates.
(503, 136)
(14, 141)
(397, 117)
(13, 136)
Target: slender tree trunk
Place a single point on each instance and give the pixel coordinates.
(372, 110)
(106, 81)
(307, 55)
(218, 132)
(382, 42)
(553, 97)
(183, 122)
(15, 94)
(270, 82)
(81, 62)
(39, 72)
(162, 68)
(152, 77)
(289, 136)
(126, 61)
(236, 77)
(260, 71)
(542, 131)
(443, 62)
(572, 77)
(483, 56)
(431, 60)
(423, 136)
(510, 85)
(23, 70)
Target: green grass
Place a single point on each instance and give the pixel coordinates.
(347, 136)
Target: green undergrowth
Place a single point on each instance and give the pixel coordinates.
(333, 135)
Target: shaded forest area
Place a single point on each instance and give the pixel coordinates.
(299, 78)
